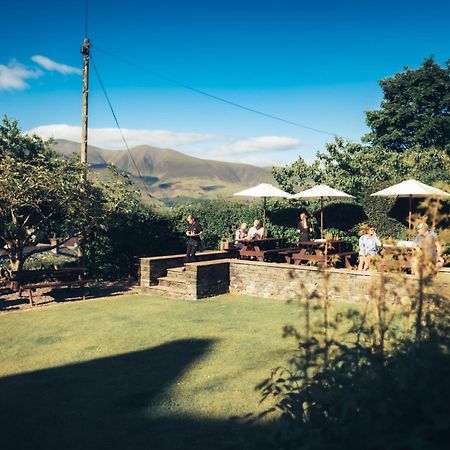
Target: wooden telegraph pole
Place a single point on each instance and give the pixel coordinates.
(85, 51)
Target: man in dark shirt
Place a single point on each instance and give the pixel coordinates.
(194, 231)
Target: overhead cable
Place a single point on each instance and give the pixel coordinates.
(216, 97)
(119, 128)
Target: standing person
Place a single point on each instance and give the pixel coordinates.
(304, 228)
(429, 254)
(368, 247)
(193, 232)
(256, 231)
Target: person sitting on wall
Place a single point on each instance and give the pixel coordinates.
(241, 233)
(256, 231)
(368, 247)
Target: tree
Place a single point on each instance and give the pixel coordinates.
(39, 192)
(128, 229)
(297, 175)
(355, 168)
(361, 170)
(415, 110)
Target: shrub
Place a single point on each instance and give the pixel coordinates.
(113, 250)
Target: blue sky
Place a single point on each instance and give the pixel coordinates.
(314, 63)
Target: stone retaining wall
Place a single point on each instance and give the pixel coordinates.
(286, 281)
(156, 266)
(210, 278)
(216, 274)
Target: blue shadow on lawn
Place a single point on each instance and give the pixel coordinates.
(102, 404)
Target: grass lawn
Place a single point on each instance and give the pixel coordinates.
(139, 372)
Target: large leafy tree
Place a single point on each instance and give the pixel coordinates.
(344, 165)
(415, 110)
(40, 193)
(361, 170)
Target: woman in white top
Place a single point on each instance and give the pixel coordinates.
(368, 247)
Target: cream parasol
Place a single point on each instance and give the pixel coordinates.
(263, 190)
(411, 189)
(321, 192)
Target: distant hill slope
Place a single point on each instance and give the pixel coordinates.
(170, 174)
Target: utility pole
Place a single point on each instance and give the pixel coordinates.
(85, 51)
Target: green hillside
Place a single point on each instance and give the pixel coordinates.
(172, 175)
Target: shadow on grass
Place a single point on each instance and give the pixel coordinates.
(107, 403)
(10, 300)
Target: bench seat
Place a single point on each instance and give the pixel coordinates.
(297, 257)
(31, 287)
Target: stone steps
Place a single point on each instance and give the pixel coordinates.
(173, 285)
(176, 272)
(174, 282)
(183, 281)
(166, 291)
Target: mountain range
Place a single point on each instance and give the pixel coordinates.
(171, 176)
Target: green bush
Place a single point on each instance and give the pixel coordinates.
(113, 249)
(381, 213)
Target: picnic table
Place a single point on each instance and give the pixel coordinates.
(33, 279)
(320, 251)
(397, 256)
(262, 249)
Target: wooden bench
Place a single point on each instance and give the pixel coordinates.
(34, 279)
(261, 255)
(297, 257)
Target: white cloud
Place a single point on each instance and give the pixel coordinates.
(260, 150)
(260, 144)
(13, 76)
(53, 66)
(110, 138)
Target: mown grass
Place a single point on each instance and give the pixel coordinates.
(140, 372)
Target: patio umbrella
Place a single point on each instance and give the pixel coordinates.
(411, 189)
(263, 190)
(321, 192)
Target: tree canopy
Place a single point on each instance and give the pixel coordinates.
(415, 110)
(39, 193)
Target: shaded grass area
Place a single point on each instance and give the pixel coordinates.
(139, 372)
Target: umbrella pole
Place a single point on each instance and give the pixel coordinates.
(321, 218)
(409, 214)
(264, 217)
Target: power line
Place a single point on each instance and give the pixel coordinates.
(216, 97)
(119, 128)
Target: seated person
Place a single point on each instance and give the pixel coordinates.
(256, 231)
(241, 233)
(368, 247)
(429, 249)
